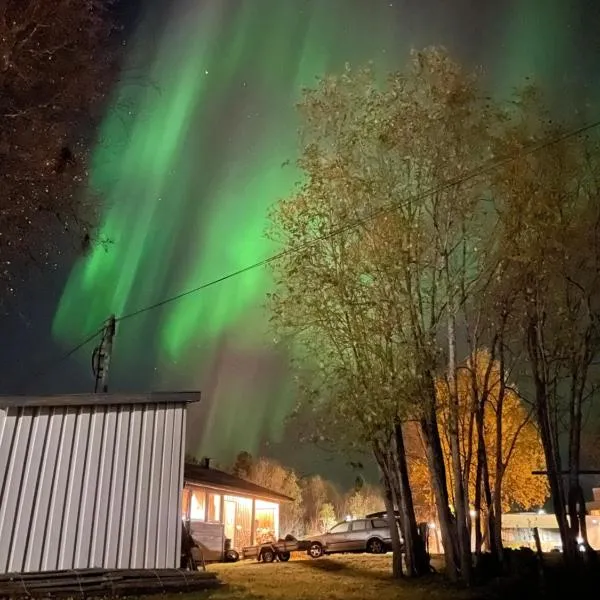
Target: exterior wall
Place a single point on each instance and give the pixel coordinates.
(239, 530)
(517, 530)
(239, 516)
(91, 486)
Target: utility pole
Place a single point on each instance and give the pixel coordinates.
(102, 355)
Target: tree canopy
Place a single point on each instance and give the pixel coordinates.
(432, 226)
(520, 449)
(57, 61)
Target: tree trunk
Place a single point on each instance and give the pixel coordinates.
(548, 437)
(417, 561)
(437, 472)
(497, 509)
(390, 507)
(477, 503)
(485, 476)
(576, 505)
(462, 511)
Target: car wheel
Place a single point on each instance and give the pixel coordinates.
(232, 556)
(375, 547)
(268, 556)
(315, 550)
(284, 556)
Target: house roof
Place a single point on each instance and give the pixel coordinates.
(219, 480)
(80, 400)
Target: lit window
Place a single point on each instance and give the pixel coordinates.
(214, 508)
(198, 506)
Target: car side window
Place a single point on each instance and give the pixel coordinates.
(359, 525)
(340, 528)
(379, 523)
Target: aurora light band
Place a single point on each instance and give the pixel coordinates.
(189, 159)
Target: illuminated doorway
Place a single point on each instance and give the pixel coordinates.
(229, 510)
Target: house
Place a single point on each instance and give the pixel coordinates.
(219, 506)
(517, 530)
(91, 481)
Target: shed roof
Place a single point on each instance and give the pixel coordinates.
(220, 480)
(57, 400)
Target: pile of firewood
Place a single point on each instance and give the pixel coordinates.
(89, 583)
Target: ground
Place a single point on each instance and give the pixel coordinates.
(343, 577)
(368, 577)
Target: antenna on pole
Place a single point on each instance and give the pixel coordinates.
(102, 354)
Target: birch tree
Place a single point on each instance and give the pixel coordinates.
(381, 239)
(550, 222)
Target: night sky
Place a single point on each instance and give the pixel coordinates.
(188, 160)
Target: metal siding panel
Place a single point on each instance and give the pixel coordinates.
(103, 489)
(7, 433)
(8, 426)
(29, 490)
(115, 513)
(59, 492)
(83, 487)
(83, 551)
(12, 488)
(38, 533)
(165, 510)
(181, 463)
(131, 472)
(154, 491)
(75, 490)
(142, 489)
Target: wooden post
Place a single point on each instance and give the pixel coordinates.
(540, 554)
(253, 524)
(102, 354)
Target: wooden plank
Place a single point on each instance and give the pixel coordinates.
(103, 582)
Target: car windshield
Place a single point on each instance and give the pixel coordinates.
(340, 528)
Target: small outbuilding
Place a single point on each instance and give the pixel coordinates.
(91, 481)
(219, 506)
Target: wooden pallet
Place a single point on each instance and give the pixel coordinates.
(89, 583)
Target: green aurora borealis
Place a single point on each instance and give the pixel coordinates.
(189, 159)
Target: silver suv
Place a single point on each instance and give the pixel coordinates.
(362, 535)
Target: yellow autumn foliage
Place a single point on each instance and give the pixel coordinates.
(521, 449)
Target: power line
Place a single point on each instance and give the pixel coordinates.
(388, 207)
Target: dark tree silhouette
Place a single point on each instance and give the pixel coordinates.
(57, 61)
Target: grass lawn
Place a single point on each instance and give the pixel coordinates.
(342, 577)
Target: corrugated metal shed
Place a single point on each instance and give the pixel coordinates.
(91, 481)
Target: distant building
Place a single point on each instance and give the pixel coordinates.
(593, 507)
(517, 529)
(219, 506)
(91, 480)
